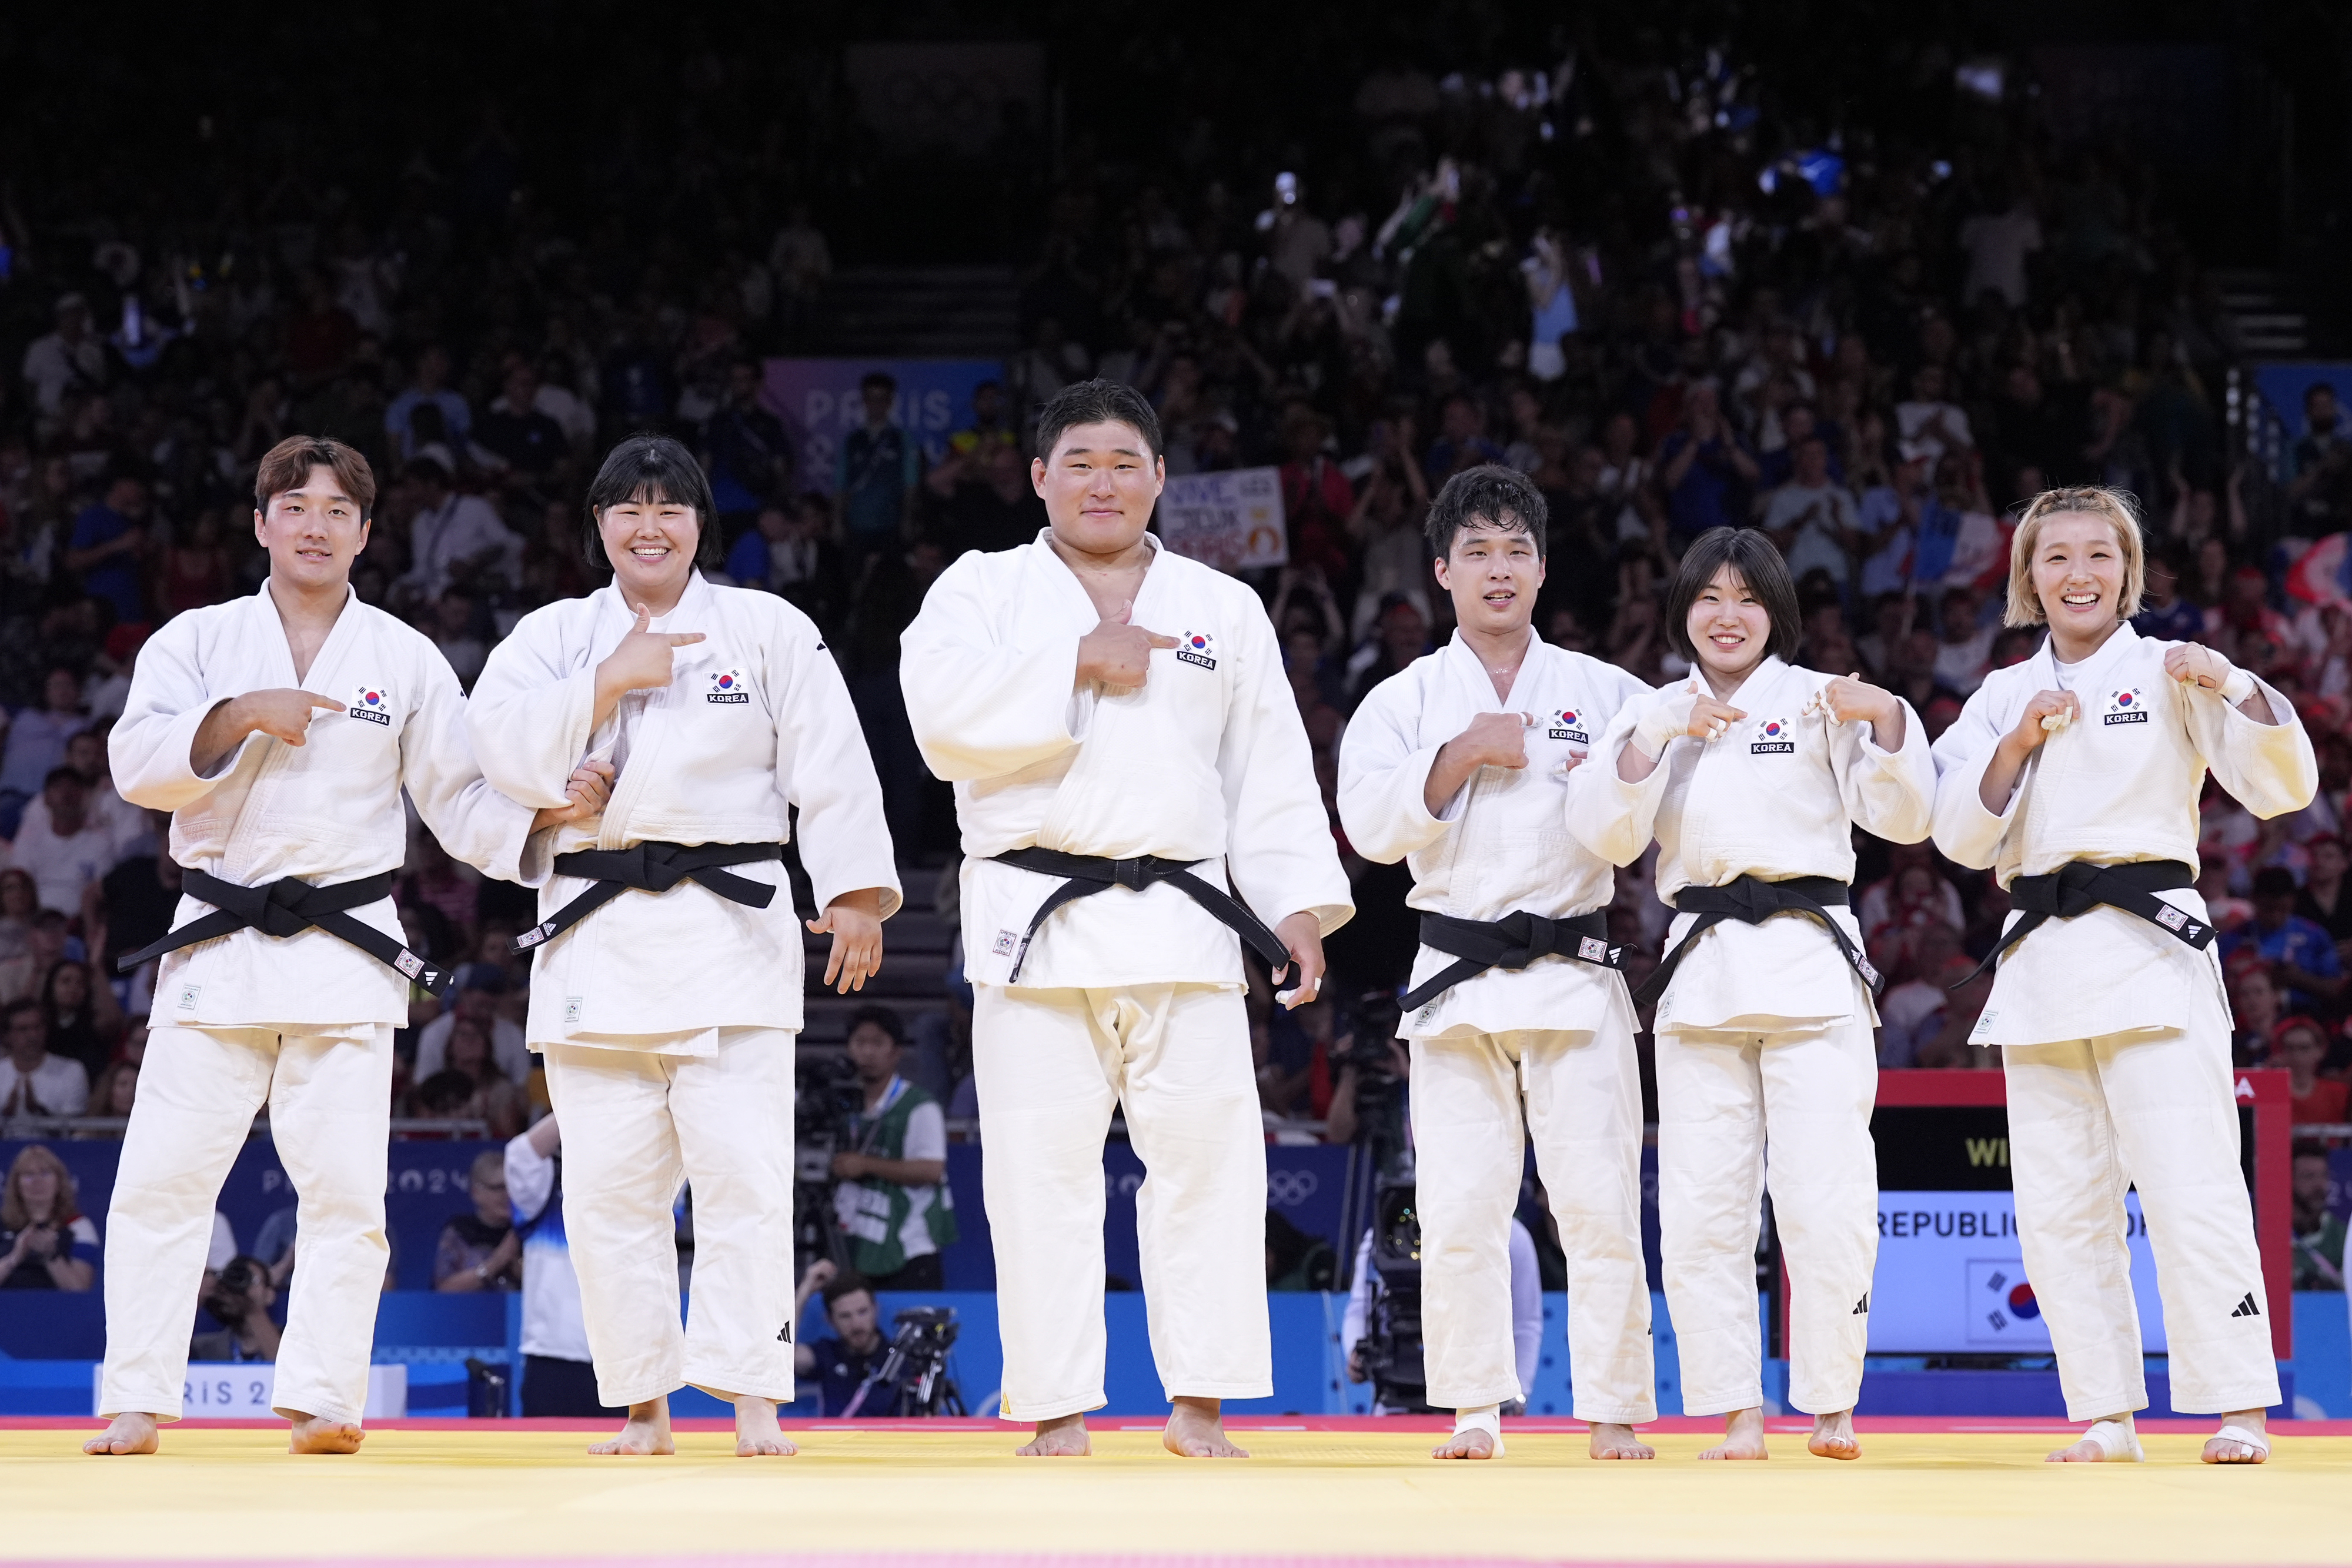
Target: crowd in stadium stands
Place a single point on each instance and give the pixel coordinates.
(1627, 275)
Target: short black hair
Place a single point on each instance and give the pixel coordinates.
(882, 378)
(883, 1018)
(63, 775)
(1757, 562)
(1488, 497)
(849, 1283)
(2315, 388)
(649, 467)
(1093, 403)
(2274, 881)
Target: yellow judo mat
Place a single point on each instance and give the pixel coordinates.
(944, 1498)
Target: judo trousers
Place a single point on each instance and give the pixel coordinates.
(330, 1118)
(635, 1125)
(2087, 1118)
(1738, 1113)
(1583, 1096)
(1050, 1065)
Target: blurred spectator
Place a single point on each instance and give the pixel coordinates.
(893, 1201)
(115, 1091)
(195, 568)
(747, 450)
(83, 1020)
(36, 744)
(32, 1082)
(2301, 954)
(478, 997)
(526, 441)
(66, 849)
(2299, 1045)
(875, 472)
(2318, 1229)
(70, 357)
(456, 538)
(127, 828)
(20, 902)
(107, 541)
(428, 388)
(136, 901)
(1705, 469)
(1813, 517)
(239, 1299)
(480, 1251)
(49, 1244)
(436, 880)
(558, 1376)
(2321, 491)
(840, 1360)
(2253, 1008)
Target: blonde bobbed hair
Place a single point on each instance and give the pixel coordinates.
(2095, 500)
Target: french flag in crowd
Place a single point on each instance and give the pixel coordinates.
(2322, 574)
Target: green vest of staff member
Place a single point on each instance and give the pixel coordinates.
(893, 1203)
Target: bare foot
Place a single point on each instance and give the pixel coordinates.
(2236, 1450)
(1063, 1438)
(756, 1431)
(647, 1431)
(2090, 1449)
(133, 1432)
(1614, 1440)
(323, 1435)
(1196, 1430)
(1834, 1438)
(1470, 1443)
(1743, 1437)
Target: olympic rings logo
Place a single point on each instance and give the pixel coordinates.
(1288, 1189)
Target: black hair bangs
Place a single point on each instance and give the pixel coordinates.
(652, 470)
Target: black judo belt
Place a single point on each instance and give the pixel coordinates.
(1085, 876)
(1753, 900)
(1513, 942)
(2078, 887)
(288, 907)
(652, 867)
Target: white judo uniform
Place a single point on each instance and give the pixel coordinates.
(1557, 1033)
(302, 1023)
(2115, 1033)
(1764, 1033)
(1126, 999)
(668, 1020)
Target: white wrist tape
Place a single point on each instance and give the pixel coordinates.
(1668, 716)
(2237, 687)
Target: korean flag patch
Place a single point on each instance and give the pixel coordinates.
(1198, 648)
(727, 686)
(1568, 724)
(372, 703)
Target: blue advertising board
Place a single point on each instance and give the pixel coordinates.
(819, 402)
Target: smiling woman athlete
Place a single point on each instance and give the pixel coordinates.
(2076, 777)
(666, 992)
(1752, 775)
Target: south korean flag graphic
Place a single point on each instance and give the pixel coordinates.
(727, 686)
(1568, 724)
(1774, 736)
(2128, 706)
(372, 703)
(1198, 648)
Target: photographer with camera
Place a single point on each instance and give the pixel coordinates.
(859, 1372)
(893, 1202)
(239, 1300)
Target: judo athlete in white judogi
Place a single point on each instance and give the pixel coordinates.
(2076, 777)
(280, 731)
(1121, 739)
(666, 992)
(1516, 1015)
(1768, 1068)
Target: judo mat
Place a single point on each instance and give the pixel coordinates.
(1317, 1493)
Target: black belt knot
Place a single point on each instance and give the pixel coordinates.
(1085, 876)
(653, 865)
(2078, 887)
(288, 907)
(1514, 942)
(1752, 900)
